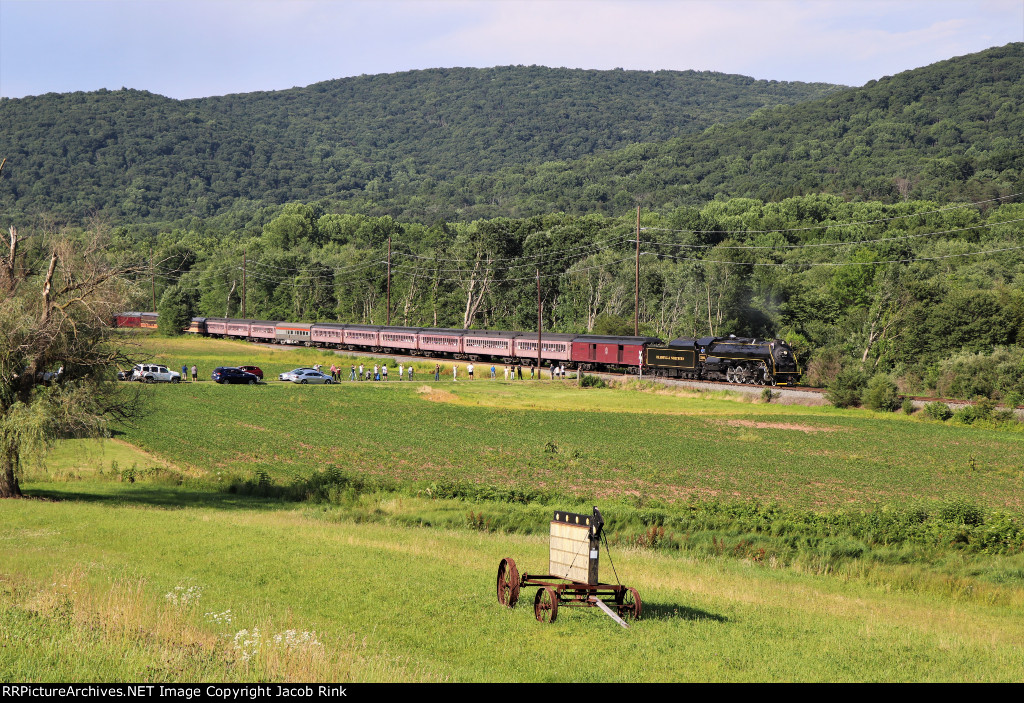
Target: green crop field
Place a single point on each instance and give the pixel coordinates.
(586, 442)
(352, 532)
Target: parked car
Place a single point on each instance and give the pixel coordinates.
(124, 375)
(311, 376)
(291, 375)
(154, 373)
(254, 370)
(229, 374)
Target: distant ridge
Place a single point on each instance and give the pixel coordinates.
(134, 155)
(952, 130)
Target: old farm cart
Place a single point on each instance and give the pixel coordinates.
(572, 578)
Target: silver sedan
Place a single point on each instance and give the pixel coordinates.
(311, 376)
(291, 375)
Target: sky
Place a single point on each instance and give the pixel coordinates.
(185, 49)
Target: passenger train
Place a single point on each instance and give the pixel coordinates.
(733, 359)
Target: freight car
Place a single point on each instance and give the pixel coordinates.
(733, 359)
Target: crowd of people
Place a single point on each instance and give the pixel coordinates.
(379, 372)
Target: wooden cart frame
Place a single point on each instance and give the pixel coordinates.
(571, 582)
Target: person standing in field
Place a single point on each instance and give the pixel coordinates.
(533, 369)
(384, 372)
(469, 369)
(492, 372)
(410, 372)
(437, 372)
(506, 373)
(195, 373)
(376, 372)
(360, 372)
(401, 371)
(352, 377)
(519, 370)
(455, 372)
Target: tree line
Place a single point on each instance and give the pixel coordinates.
(899, 289)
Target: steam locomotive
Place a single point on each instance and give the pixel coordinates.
(733, 359)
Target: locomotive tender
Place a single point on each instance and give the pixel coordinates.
(733, 359)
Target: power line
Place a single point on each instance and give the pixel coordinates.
(618, 239)
(837, 244)
(829, 226)
(796, 264)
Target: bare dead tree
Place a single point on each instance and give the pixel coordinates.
(477, 286)
(58, 357)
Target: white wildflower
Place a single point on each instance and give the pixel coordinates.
(224, 618)
(182, 596)
(247, 643)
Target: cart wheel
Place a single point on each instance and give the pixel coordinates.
(545, 604)
(629, 604)
(508, 583)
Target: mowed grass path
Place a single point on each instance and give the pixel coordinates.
(420, 604)
(601, 442)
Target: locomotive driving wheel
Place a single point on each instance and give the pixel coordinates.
(508, 583)
(545, 604)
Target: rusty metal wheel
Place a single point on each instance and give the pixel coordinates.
(508, 583)
(629, 604)
(545, 604)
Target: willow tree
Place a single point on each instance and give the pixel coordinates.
(58, 361)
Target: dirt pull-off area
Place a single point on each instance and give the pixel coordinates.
(437, 395)
(779, 426)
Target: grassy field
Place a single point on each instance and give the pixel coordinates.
(176, 550)
(594, 443)
(86, 597)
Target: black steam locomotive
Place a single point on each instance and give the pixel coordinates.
(732, 359)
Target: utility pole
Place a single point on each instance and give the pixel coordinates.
(244, 253)
(540, 324)
(389, 282)
(152, 275)
(636, 297)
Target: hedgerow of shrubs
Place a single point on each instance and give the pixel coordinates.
(881, 394)
(847, 389)
(749, 529)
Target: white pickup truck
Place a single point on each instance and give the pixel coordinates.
(154, 373)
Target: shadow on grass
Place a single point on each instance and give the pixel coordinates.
(154, 495)
(658, 611)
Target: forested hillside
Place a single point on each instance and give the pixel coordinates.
(950, 130)
(134, 156)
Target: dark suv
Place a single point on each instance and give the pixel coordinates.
(229, 374)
